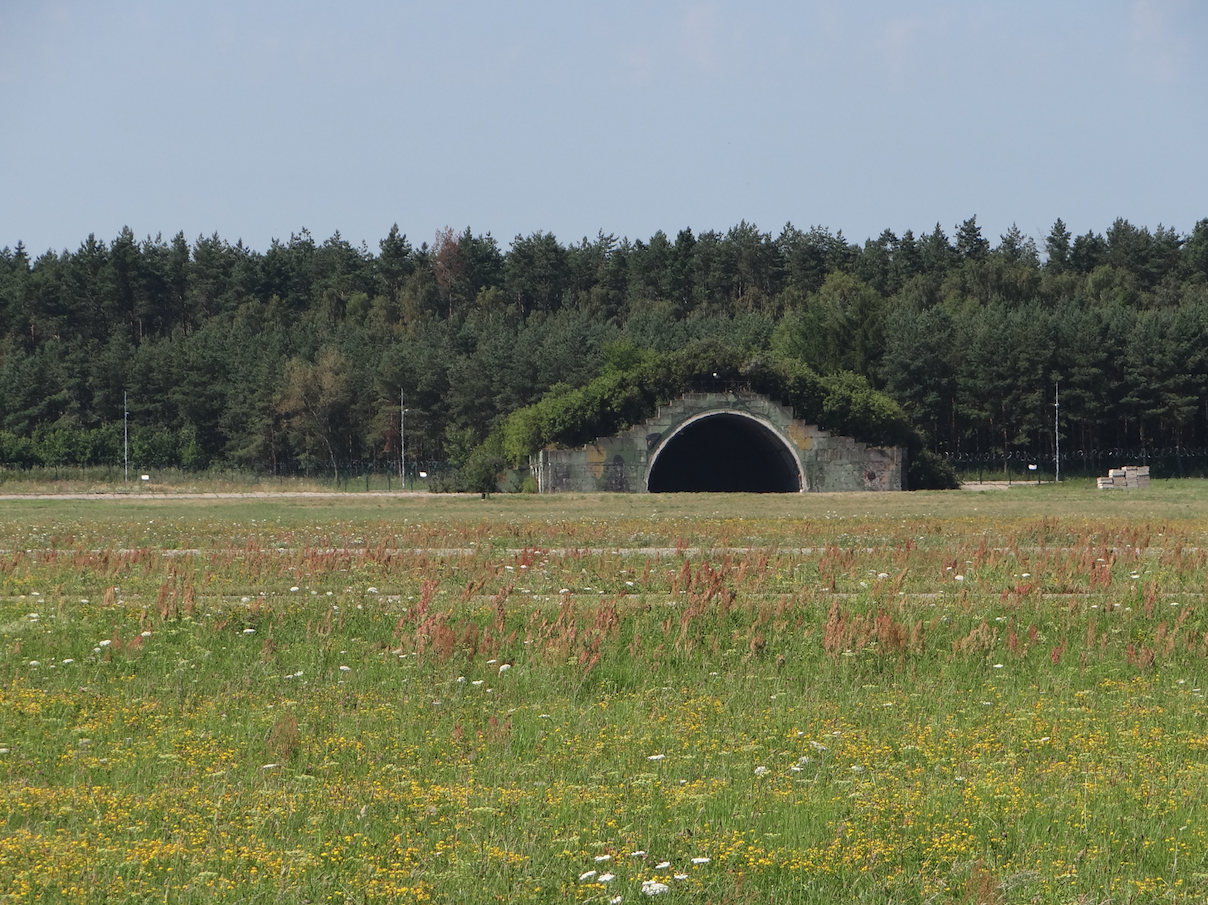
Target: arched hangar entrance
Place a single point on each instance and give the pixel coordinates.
(720, 452)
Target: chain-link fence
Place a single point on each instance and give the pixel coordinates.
(1163, 462)
(351, 476)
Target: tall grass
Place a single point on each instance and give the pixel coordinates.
(928, 710)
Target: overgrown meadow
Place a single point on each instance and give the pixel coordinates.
(306, 706)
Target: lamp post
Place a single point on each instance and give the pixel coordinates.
(126, 433)
(402, 438)
(1057, 432)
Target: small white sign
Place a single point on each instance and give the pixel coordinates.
(146, 477)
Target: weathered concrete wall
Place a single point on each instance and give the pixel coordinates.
(622, 464)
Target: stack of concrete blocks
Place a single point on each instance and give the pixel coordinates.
(1130, 477)
(620, 463)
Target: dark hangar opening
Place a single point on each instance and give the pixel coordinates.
(725, 453)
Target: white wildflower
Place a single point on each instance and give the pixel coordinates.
(654, 888)
(760, 770)
(586, 875)
(249, 631)
(605, 878)
(505, 667)
(701, 860)
(104, 643)
(656, 757)
(345, 669)
(662, 865)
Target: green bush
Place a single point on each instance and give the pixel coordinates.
(152, 447)
(926, 470)
(17, 451)
(480, 474)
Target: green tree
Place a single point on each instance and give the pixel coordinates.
(536, 273)
(840, 328)
(936, 253)
(394, 263)
(1057, 247)
(315, 403)
(1017, 248)
(920, 373)
(970, 244)
(1088, 252)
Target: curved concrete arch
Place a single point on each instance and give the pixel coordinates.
(772, 463)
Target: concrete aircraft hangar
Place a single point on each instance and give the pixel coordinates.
(720, 442)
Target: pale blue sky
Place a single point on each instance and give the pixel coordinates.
(257, 119)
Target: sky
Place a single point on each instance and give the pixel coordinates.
(254, 120)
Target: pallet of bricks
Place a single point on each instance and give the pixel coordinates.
(1130, 477)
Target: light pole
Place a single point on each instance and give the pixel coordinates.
(402, 438)
(1057, 431)
(126, 433)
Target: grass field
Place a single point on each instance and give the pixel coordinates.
(961, 697)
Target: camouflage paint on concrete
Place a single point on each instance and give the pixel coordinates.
(622, 464)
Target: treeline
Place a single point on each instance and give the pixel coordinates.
(295, 357)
